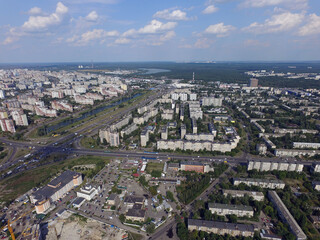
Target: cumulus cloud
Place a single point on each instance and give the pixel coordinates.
(312, 26)
(277, 23)
(41, 23)
(89, 36)
(175, 15)
(92, 16)
(210, 9)
(219, 29)
(156, 26)
(37, 23)
(295, 4)
(35, 11)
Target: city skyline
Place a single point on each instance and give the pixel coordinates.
(119, 30)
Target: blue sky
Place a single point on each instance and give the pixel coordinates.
(159, 30)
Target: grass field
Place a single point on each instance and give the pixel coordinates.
(89, 142)
(15, 186)
(154, 166)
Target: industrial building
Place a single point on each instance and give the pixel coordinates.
(221, 228)
(55, 189)
(286, 216)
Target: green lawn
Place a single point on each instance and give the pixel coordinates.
(154, 166)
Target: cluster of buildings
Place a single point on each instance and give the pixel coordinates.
(25, 90)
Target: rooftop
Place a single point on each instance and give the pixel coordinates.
(221, 225)
(231, 207)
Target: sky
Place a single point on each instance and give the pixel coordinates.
(159, 30)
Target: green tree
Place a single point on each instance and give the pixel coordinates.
(150, 228)
(122, 218)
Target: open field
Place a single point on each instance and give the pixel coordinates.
(152, 166)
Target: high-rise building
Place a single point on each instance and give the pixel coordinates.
(253, 82)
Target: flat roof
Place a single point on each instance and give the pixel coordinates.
(221, 225)
(78, 201)
(229, 206)
(294, 226)
(60, 181)
(250, 193)
(136, 212)
(259, 180)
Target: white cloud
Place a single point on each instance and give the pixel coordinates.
(89, 36)
(41, 23)
(175, 15)
(277, 23)
(312, 26)
(122, 41)
(210, 9)
(203, 43)
(92, 16)
(219, 29)
(294, 4)
(167, 36)
(35, 11)
(129, 33)
(156, 26)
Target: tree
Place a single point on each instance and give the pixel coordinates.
(122, 218)
(170, 196)
(150, 228)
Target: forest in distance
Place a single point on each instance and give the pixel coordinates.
(227, 72)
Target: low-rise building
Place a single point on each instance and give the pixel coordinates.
(195, 166)
(257, 196)
(130, 200)
(221, 228)
(112, 199)
(227, 209)
(78, 202)
(88, 192)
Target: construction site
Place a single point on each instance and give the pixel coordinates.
(71, 226)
